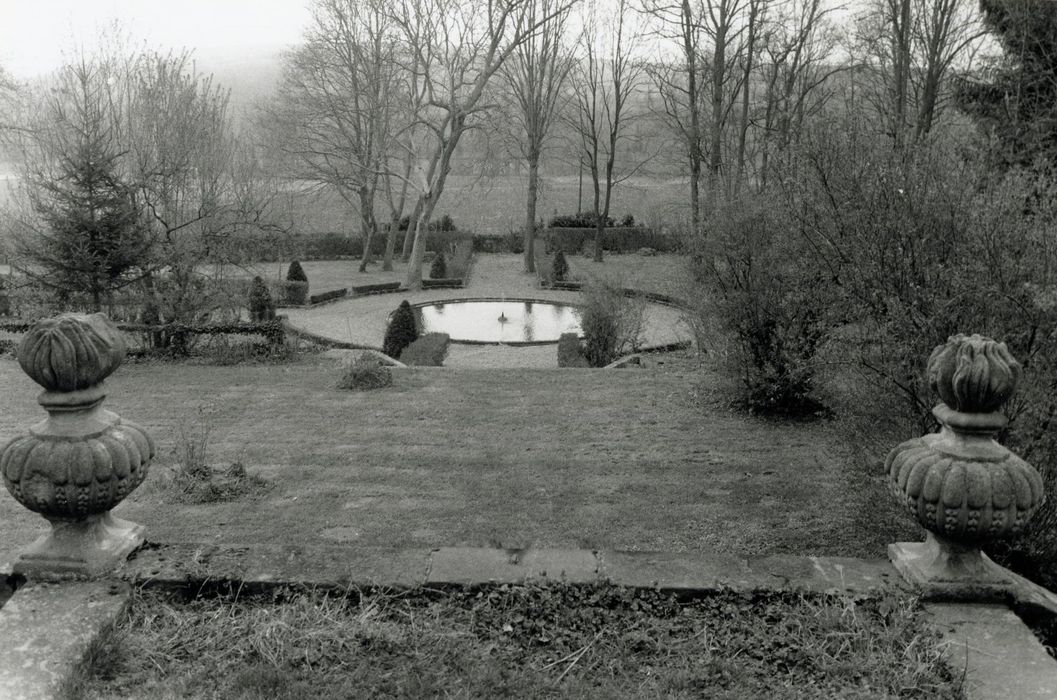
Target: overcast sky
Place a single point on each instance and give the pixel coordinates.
(34, 33)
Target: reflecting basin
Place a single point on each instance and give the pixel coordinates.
(490, 321)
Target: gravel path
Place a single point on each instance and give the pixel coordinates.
(362, 320)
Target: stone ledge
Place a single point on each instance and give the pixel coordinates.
(269, 566)
(47, 629)
(999, 654)
(470, 565)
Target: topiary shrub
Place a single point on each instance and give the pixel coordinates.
(295, 273)
(559, 267)
(295, 288)
(401, 331)
(365, 373)
(260, 301)
(439, 268)
(427, 351)
(570, 352)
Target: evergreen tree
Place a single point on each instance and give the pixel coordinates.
(295, 273)
(1018, 106)
(260, 301)
(92, 233)
(401, 331)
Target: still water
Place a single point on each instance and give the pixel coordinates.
(500, 321)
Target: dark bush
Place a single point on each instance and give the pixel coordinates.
(401, 332)
(445, 283)
(559, 267)
(438, 269)
(364, 374)
(570, 351)
(770, 303)
(612, 322)
(628, 220)
(295, 273)
(427, 351)
(260, 301)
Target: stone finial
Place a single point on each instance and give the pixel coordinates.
(973, 374)
(81, 461)
(961, 486)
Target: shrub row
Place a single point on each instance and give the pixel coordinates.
(618, 240)
(443, 283)
(428, 350)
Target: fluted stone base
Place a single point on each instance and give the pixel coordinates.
(83, 548)
(944, 570)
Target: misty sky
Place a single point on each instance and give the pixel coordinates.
(34, 33)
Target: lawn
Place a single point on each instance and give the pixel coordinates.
(646, 459)
(519, 641)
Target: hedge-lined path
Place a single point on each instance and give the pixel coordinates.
(362, 320)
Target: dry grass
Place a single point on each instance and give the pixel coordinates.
(632, 460)
(519, 641)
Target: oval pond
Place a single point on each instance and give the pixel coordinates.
(490, 321)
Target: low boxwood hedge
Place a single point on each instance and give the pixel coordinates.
(328, 296)
(380, 288)
(428, 350)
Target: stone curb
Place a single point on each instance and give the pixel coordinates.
(47, 630)
(263, 567)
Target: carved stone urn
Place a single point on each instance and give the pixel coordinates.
(82, 460)
(961, 486)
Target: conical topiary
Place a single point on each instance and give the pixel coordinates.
(401, 331)
(296, 273)
(439, 269)
(260, 301)
(559, 267)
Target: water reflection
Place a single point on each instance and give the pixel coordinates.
(499, 321)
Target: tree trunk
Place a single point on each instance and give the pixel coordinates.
(390, 244)
(409, 235)
(530, 212)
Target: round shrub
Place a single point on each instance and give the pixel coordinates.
(260, 301)
(401, 331)
(439, 268)
(559, 267)
(296, 273)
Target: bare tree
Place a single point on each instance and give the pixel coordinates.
(455, 47)
(198, 182)
(678, 83)
(335, 105)
(607, 77)
(799, 47)
(535, 75)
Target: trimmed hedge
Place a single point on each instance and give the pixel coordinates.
(260, 302)
(570, 351)
(427, 351)
(380, 288)
(618, 239)
(328, 296)
(438, 269)
(559, 268)
(444, 283)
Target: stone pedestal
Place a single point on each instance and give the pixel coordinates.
(944, 570)
(81, 547)
(81, 461)
(960, 485)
